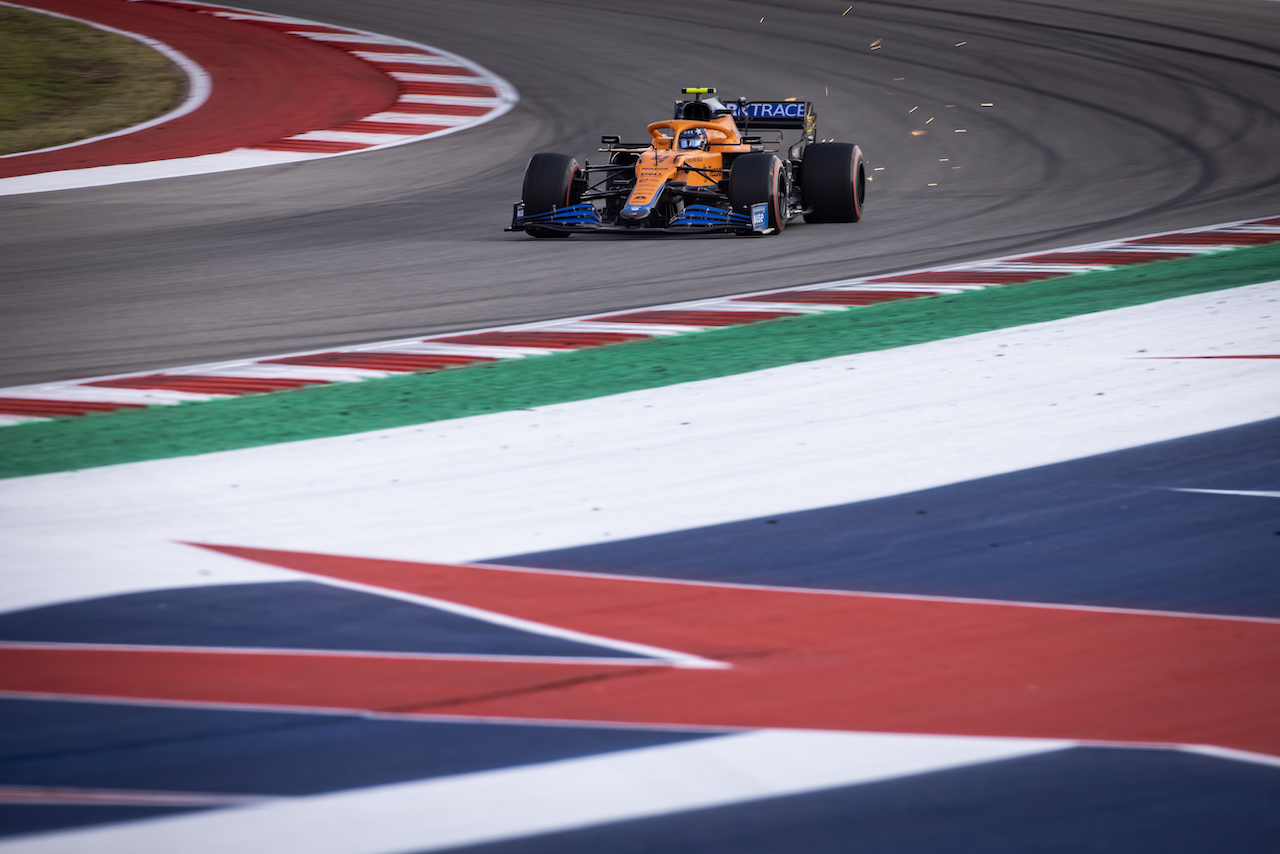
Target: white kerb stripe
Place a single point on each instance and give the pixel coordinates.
(415, 77)
(418, 118)
(469, 809)
(366, 137)
(351, 38)
(452, 100)
(380, 57)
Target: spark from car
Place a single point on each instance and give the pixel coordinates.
(845, 12)
(913, 109)
(918, 132)
(960, 44)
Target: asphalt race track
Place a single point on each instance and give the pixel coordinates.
(1108, 119)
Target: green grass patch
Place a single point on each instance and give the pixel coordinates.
(62, 80)
(345, 408)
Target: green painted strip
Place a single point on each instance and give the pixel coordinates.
(346, 408)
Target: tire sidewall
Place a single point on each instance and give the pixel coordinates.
(833, 182)
(755, 178)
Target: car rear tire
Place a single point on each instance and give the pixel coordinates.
(833, 182)
(755, 178)
(549, 183)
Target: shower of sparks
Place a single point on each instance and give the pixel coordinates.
(917, 133)
(961, 130)
(930, 119)
(913, 109)
(958, 44)
(845, 12)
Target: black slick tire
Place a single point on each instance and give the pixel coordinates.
(549, 183)
(756, 178)
(833, 182)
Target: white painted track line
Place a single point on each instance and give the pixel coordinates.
(468, 809)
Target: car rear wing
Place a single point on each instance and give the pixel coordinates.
(767, 115)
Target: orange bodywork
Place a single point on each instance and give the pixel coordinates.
(662, 163)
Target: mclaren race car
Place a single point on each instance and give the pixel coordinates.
(706, 169)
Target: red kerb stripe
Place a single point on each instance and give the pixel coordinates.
(438, 109)
(837, 297)
(51, 408)
(319, 146)
(970, 277)
(388, 127)
(286, 26)
(424, 87)
(1210, 238)
(693, 317)
(549, 340)
(1103, 257)
(407, 362)
(208, 384)
(415, 68)
(374, 47)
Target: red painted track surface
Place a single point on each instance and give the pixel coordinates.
(808, 659)
(266, 85)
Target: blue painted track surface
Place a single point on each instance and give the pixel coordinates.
(1086, 799)
(152, 748)
(283, 615)
(1105, 530)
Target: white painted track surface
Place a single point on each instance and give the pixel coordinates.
(472, 808)
(792, 438)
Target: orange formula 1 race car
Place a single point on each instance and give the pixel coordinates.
(705, 170)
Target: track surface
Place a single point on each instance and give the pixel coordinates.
(1108, 119)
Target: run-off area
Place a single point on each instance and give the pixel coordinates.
(1036, 464)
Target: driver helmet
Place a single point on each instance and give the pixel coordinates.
(693, 138)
